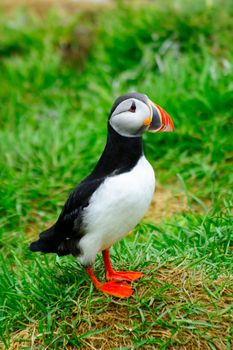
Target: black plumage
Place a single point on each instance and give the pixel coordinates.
(120, 155)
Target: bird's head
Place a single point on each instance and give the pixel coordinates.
(134, 113)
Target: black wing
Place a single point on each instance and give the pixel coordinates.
(69, 221)
(63, 236)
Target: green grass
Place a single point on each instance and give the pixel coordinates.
(56, 91)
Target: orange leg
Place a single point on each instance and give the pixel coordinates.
(111, 274)
(117, 289)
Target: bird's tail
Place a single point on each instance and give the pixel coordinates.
(47, 243)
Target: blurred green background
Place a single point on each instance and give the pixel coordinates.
(60, 71)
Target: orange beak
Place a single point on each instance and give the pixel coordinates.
(161, 121)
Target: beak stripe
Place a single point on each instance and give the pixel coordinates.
(161, 121)
(159, 113)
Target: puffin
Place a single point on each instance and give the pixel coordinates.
(111, 201)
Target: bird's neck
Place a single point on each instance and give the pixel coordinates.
(120, 155)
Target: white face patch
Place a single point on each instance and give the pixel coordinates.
(128, 117)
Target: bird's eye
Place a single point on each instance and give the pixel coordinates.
(133, 107)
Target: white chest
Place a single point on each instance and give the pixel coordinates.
(119, 204)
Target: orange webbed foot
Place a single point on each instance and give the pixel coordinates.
(117, 289)
(129, 276)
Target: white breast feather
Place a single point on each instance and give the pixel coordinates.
(115, 208)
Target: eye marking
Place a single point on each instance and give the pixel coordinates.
(133, 107)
